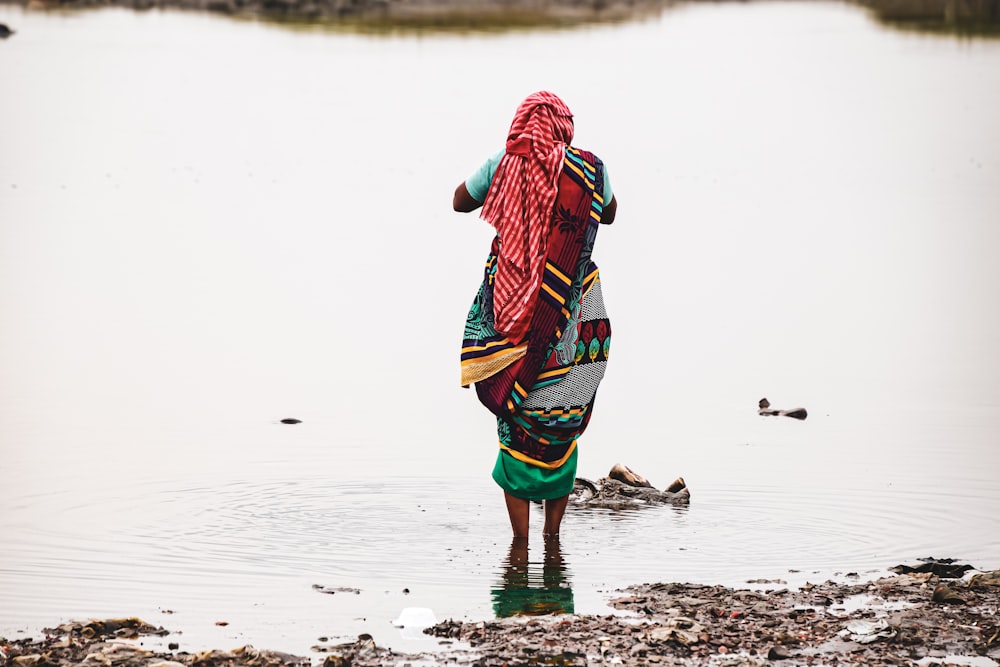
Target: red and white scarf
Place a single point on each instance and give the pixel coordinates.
(519, 206)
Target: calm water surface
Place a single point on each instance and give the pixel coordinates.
(209, 225)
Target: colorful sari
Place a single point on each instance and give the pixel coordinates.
(542, 388)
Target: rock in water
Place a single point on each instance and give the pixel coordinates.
(626, 475)
(946, 568)
(5, 32)
(764, 408)
(291, 420)
(624, 488)
(677, 486)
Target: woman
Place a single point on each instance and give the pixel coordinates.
(537, 336)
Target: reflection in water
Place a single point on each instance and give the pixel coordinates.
(524, 590)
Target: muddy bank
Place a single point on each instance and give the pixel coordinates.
(917, 618)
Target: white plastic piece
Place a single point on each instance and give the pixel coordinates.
(413, 621)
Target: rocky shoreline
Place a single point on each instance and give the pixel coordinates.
(900, 620)
(920, 618)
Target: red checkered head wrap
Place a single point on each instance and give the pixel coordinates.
(519, 205)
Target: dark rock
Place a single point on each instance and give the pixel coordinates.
(946, 568)
(288, 420)
(944, 595)
(5, 32)
(626, 475)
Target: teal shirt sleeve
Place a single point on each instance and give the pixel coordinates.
(478, 184)
(608, 194)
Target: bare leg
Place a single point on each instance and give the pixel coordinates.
(554, 510)
(518, 509)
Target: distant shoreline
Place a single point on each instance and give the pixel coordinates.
(442, 15)
(962, 17)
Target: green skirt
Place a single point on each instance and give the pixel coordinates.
(523, 480)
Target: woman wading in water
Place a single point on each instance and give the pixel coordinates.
(537, 336)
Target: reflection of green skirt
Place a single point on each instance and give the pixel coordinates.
(523, 599)
(524, 480)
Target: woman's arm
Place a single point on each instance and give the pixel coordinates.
(608, 214)
(463, 202)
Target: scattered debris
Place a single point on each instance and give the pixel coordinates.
(985, 579)
(665, 623)
(692, 624)
(333, 590)
(866, 632)
(107, 628)
(412, 621)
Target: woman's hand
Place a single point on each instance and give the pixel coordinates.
(463, 202)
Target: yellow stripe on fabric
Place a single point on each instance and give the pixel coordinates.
(476, 348)
(577, 170)
(554, 373)
(557, 273)
(590, 286)
(524, 458)
(579, 158)
(599, 198)
(476, 370)
(595, 215)
(555, 296)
